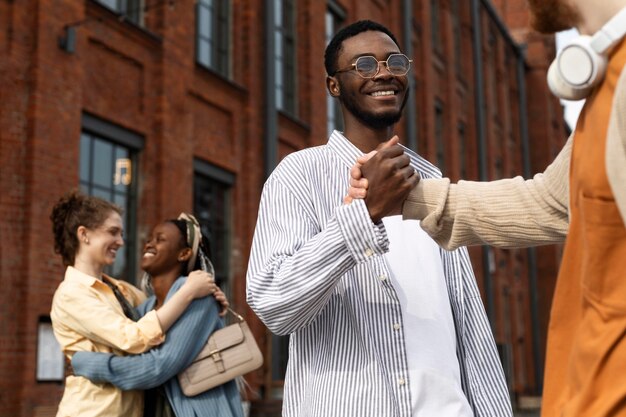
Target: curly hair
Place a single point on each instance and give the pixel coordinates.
(75, 209)
(334, 46)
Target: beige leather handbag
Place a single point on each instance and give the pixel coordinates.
(230, 352)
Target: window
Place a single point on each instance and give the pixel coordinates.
(108, 169)
(285, 55)
(213, 34)
(439, 139)
(435, 25)
(50, 359)
(130, 9)
(334, 20)
(456, 33)
(211, 206)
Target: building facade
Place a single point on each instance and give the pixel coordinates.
(165, 106)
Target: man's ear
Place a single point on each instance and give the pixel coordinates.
(184, 255)
(333, 86)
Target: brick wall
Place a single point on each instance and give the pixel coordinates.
(145, 79)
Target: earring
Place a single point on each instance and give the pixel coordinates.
(86, 241)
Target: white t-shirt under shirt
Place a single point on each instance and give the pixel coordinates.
(417, 276)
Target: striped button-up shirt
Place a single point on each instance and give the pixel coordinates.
(317, 273)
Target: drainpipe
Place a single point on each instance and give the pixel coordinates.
(531, 253)
(271, 115)
(479, 105)
(411, 110)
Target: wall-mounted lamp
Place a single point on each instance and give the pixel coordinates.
(67, 41)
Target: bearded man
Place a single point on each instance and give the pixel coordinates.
(580, 198)
(382, 322)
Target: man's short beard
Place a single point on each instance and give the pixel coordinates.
(373, 121)
(551, 16)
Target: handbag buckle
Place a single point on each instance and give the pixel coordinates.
(217, 359)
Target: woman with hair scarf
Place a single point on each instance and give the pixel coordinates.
(173, 250)
(94, 312)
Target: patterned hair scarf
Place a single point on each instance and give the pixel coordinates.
(194, 235)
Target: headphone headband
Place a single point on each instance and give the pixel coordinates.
(610, 34)
(580, 65)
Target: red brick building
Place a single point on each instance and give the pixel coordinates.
(171, 105)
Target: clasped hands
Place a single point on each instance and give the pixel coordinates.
(383, 178)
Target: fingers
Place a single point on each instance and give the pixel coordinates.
(390, 143)
(390, 152)
(359, 183)
(355, 172)
(200, 283)
(401, 161)
(387, 149)
(200, 274)
(225, 305)
(358, 188)
(364, 158)
(407, 172)
(414, 180)
(221, 298)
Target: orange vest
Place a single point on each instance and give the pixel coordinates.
(586, 353)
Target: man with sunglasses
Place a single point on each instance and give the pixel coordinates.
(375, 331)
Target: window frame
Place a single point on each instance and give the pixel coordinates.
(436, 37)
(133, 13)
(226, 180)
(334, 118)
(285, 56)
(219, 38)
(457, 35)
(97, 128)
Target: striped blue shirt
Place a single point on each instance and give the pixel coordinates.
(317, 272)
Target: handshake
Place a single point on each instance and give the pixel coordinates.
(383, 178)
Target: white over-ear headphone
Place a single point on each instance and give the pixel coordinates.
(581, 65)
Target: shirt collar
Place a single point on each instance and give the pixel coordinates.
(345, 150)
(74, 275)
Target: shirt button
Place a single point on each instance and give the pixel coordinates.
(396, 326)
(369, 252)
(401, 381)
(382, 277)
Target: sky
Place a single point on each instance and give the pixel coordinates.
(571, 108)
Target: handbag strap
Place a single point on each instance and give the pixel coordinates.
(129, 310)
(234, 313)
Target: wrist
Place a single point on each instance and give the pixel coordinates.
(186, 292)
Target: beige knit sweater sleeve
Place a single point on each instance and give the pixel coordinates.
(506, 213)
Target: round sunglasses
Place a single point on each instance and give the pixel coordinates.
(369, 67)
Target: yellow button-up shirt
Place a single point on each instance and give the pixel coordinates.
(86, 316)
